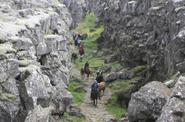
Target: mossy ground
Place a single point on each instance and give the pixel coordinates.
(113, 107)
(78, 95)
(95, 61)
(93, 33)
(69, 118)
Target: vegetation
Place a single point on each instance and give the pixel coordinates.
(77, 91)
(139, 69)
(118, 87)
(69, 118)
(113, 107)
(93, 33)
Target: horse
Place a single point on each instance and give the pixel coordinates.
(85, 71)
(95, 92)
(102, 86)
(74, 56)
(94, 97)
(81, 51)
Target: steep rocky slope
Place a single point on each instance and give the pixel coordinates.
(148, 33)
(34, 59)
(145, 32)
(77, 9)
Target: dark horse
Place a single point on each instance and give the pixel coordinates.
(86, 70)
(95, 92)
(81, 51)
(94, 97)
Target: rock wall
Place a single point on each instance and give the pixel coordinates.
(145, 32)
(34, 60)
(154, 102)
(77, 8)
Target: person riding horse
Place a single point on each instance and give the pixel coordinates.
(95, 92)
(81, 51)
(101, 83)
(99, 77)
(86, 69)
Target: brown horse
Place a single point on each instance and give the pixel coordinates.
(81, 51)
(102, 86)
(86, 71)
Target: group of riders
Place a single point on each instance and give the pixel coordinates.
(77, 41)
(98, 85)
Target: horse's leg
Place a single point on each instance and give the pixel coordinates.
(99, 95)
(103, 90)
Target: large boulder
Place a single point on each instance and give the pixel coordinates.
(146, 104)
(174, 110)
(40, 114)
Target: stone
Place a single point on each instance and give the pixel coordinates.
(125, 74)
(179, 89)
(111, 77)
(147, 103)
(143, 34)
(40, 114)
(75, 111)
(26, 45)
(173, 111)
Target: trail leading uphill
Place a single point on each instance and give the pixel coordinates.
(93, 113)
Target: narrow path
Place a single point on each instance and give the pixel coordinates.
(92, 113)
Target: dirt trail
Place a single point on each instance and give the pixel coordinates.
(92, 113)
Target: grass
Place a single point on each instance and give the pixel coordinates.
(115, 66)
(73, 118)
(78, 95)
(119, 87)
(90, 44)
(115, 108)
(139, 69)
(88, 27)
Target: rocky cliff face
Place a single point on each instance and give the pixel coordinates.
(149, 33)
(77, 8)
(145, 32)
(34, 60)
(156, 103)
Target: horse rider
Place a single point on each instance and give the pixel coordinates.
(99, 77)
(81, 51)
(94, 90)
(86, 69)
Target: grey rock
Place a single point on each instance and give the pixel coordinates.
(27, 44)
(179, 88)
(173, 111)
(112, 77)
(147, 103)
(125, 74)
(75, 111)
(140, 32)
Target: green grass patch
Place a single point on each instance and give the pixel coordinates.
(115, 66)
(78, 95)
(139, 69)
(118, 88)
(87, 26)
(121, 85)
(69, 118)
(115, 108)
